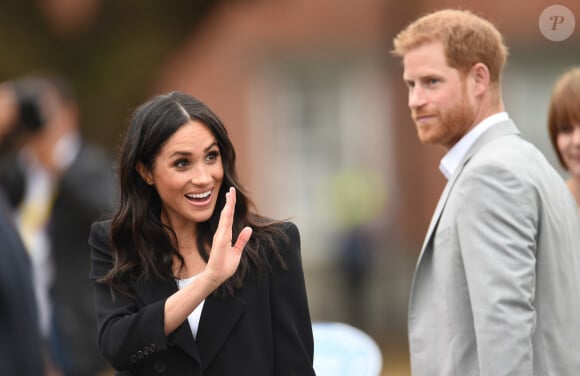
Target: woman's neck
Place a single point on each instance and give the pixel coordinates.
(573, 184)
(186, 245)
(193, 263)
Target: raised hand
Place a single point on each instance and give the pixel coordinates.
(224, 257)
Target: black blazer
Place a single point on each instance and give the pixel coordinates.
(20, 341)
(263, 330)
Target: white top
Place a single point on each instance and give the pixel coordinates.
(33, 215)
(32, 219)
(194, 316)
(451, 160)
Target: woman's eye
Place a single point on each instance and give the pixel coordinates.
(565, 129)
(181, 163)
(212, 156)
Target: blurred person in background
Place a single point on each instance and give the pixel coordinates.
(8, 114)
(57, 184)
(355, 197)
(21, 350)
(173, 293)
(564, 127)
(495, 290)
(20, 341)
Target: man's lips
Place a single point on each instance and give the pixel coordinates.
(422, 117)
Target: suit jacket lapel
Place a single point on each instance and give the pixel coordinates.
(437, 214)
(218, 318)
(503, 128)
(182, 336)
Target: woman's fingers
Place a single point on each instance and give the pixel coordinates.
(226, 221)
(242, 240)
(227, 214)
(225, 257)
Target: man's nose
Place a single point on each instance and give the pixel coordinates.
(416, 97)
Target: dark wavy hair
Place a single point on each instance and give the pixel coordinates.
(143, 247)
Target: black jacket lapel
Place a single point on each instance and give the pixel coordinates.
(218, 318)
(182, 336)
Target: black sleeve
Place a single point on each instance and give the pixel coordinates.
(128, 331)
(293, 341)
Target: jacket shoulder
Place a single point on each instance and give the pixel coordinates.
(101, 254)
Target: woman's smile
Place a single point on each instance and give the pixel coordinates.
(201, 198)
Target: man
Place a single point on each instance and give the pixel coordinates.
(495, 290)
(57, 185)
(20, 343)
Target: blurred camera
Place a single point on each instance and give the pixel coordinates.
(28, 96)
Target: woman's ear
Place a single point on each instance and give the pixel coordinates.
(144, 173)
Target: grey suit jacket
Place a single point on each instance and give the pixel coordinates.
(495, 290)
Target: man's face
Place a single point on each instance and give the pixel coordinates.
(8, 111)
(439, 97)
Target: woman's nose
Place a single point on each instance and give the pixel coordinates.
(200, 175)
(576, 135)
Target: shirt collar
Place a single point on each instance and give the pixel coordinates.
(451, 160)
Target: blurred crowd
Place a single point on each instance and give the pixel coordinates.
(53, 184)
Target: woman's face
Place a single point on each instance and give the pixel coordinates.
(568, 141)
(187, 173)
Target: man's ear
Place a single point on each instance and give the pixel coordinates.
(480, 75)
(144, 173)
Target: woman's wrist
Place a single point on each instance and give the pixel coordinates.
(209, 281)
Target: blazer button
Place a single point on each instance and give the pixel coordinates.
(140, 354)
(159, 367)
(146, 350)
(152, 347)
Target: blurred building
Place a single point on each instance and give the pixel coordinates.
(308, 89)
(305, 91)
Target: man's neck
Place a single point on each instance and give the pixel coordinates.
(491, 103)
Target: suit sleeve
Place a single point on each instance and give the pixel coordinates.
(293, 341)
(90, 182)
(127, 332)
(496, 229)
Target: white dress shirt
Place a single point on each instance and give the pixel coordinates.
(451, 160)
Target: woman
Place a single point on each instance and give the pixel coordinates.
(564, 127)
(172, 295)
